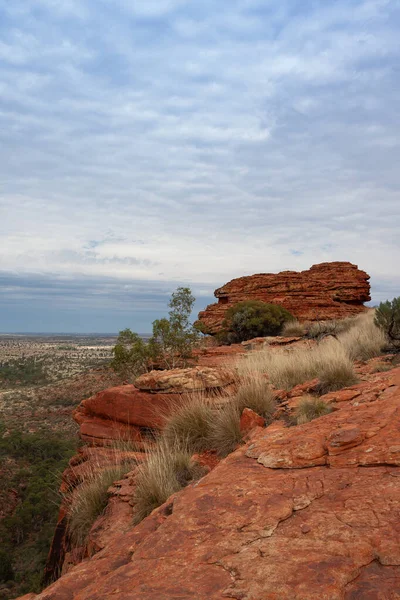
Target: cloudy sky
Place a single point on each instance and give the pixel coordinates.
(146, 144)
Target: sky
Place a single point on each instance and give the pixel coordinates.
(148, 144)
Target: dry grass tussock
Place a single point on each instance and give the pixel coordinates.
(364, 340)
(255, 393)
(90, 498)
(189, 424)
(293, 328)
(331, 360)
(167, 470)
(311, 408)
(332, 327)
(287, 368)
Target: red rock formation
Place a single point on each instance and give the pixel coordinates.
(129, 412)
(305, 512)
(326, 291)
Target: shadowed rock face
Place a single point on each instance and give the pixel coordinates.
(326, 291)
(303, 512)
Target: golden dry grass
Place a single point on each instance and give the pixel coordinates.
(331, 360)
(293, 328)
(364, 340)
(166, 471)
(90, 498)
(255, 393)
(189, 424)
(311, 408)
(225, 434)
(286, 368)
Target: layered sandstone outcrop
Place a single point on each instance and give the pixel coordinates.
(132, 412)
(302, 512)
(118, 425)
(326, 291)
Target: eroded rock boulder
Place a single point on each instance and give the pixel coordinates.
(131, 412)
(326, 291)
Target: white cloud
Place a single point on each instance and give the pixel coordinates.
(210, 141)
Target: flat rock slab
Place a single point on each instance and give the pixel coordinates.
(185, 380)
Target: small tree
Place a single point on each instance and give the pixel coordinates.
(253, 318)
(171, 344)
(131, 354)
(174, 338)
(387, 317)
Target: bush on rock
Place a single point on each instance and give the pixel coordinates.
(253, 318)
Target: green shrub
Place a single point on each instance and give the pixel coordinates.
(37, 460)
(310, 408)
(131, 354)
(166, 471)
(253, 318)
(23, 371)
(387, 317)
(6, 569)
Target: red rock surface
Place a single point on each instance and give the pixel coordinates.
(308, 512)
(326, 291)
(127, 412)
(249, 420)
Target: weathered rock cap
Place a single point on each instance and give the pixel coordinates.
(326, 291)
(189, 380)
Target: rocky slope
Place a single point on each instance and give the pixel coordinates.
(305, 512)
(326, 291)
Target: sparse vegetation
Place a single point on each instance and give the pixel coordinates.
(90, 498)
(253, 318)
(166, 471)
(293, 328)
(321, 329)
(23, 371)
(364, 340)
(309, 408)
(255, 393)
(225, 434)
(31, 466)
(190, 424)
(286, 368)
(171, 344)
(387, 318)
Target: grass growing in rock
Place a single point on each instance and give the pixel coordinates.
(225, 434)
(293, 328)
(90, 498)
(255, 393)
(286, 369)
(190, 424)
(166, 471)
(331, 360)
(310, 408)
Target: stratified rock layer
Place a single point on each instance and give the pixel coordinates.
(128, 412)
(326, 291)
(310, 512)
